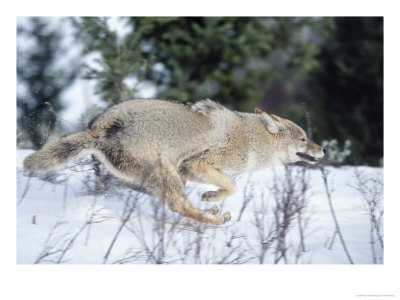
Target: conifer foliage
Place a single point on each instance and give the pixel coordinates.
(347, 87)
(40, 80)
(229, 59)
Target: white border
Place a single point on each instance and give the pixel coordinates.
(199, 282)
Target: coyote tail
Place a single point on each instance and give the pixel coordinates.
(58, 152)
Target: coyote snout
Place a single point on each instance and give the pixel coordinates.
(312, 154)
(162, 144)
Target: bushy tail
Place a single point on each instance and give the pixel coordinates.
(58, 152)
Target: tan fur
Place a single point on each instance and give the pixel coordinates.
(161, 144)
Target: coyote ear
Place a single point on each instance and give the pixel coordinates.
(272, 125)
(258, 111)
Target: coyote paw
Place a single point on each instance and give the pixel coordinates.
(226, 216)
(210, 196)
(213, 210)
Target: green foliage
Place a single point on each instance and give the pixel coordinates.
(347, 87)
(228, 59)
(119, 61)
(40, 81)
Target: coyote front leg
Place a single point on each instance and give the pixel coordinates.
(208, 174)
(168, 186)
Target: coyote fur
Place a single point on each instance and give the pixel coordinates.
(162, 144)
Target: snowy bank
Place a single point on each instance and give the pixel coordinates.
(60, 221)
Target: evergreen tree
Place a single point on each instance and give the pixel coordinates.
(120, 61)
(228, 59)
(348, 87)
(40, 81)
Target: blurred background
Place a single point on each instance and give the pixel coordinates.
(69, 69)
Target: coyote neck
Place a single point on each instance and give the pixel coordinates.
(263, 145)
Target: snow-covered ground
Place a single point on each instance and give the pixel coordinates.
(64, 223)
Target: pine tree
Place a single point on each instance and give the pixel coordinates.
(348, 87)
(228, 59)
(120, 60)
(40, 81)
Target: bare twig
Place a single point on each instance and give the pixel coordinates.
(332, 241)
(26, 189)
(70, 243)
(302, 204)
(247, 197)
(50, 246)
(129, 208)
(328, 194)
(287, 196)
(96, 191)
(371, 190)
(65, 194)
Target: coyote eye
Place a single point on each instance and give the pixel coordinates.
(303, 139)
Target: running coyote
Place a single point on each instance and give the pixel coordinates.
(161, 144)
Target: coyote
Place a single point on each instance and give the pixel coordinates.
(162, 144)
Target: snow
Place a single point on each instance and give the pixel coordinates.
(49, 215)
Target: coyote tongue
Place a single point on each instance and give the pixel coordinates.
(306, 156)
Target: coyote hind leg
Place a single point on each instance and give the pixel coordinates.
(168, 186)
(162, 179)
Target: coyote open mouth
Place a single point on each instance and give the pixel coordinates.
(306, 157)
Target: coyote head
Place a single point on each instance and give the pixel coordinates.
(292, 142)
